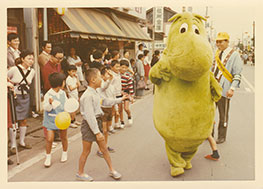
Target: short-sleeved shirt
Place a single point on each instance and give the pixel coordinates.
(72, 81)
(15, 76)
(51, 110)
(116, 83)
(73, 61)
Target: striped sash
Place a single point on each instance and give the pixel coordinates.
(222, 68)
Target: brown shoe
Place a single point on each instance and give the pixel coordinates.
(221, 140)
(27, 146)
(10, 162)
(13, 151)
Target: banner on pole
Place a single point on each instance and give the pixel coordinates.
(158, 19)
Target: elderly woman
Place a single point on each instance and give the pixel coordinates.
(75, 60)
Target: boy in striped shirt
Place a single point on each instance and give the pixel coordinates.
(127, 87)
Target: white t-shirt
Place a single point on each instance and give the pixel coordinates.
(106, 91)
(73, 61)
(116, 83)
(147, 61)
(15, 76)
(72, 81)
(138, 52)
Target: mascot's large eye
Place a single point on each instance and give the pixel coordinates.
(183, 28)
(195, 29)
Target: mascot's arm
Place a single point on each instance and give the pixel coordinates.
(160, 71)
(216, 89)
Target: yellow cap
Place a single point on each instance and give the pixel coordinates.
(222, 36)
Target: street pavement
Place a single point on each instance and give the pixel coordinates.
(140, 152)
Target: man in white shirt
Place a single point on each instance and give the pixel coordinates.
(45, 56)
(140, 50)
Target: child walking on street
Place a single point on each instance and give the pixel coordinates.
(54, 101)
(106, 91)
(214, 156)
(116, 82)
(91, 128)
(127, 87)
(72, 84)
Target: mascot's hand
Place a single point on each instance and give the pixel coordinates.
(216, 89)
(160, 72)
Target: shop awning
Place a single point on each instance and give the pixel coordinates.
(131, 29)
(91, 24)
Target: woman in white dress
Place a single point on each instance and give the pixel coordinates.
(75, 60)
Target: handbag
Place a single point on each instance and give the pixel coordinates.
(141, 84)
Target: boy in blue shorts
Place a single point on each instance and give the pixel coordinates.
(91, 128)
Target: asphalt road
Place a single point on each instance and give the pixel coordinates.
(140, 152)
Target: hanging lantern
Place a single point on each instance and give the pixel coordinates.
(40, 22)
(61, 11)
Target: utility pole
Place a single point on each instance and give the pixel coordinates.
(45, 24)
(153, 30)
(35, 45)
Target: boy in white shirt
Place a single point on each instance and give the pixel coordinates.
(106, 91)
(72, 84)
(91, 128)
(116, 82)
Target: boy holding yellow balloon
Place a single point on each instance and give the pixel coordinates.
(54, 101)
(91, 128)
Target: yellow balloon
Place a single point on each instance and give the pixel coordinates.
(63, 120)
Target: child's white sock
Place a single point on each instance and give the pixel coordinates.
(22, 135)
(64, 156)
(12, 136)
(47, 162)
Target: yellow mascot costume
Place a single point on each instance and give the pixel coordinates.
(186, 91)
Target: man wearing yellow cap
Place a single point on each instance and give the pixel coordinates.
(228, 73)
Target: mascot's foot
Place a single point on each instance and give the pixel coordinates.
(188, 165)
(176, 171)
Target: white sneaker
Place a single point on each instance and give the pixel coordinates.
(112, 131)
(64, 157)
(73, 125)
(47, 162)
(130, 122)
(34, 115)
(122, 126)
(54, 145)
(117, 126)
(115, 175)
(77, 123)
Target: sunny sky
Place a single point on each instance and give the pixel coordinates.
(234, 20)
